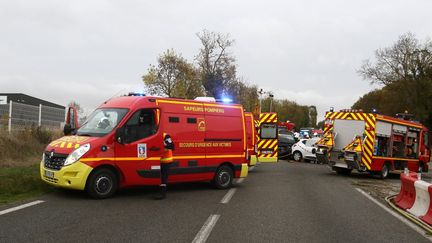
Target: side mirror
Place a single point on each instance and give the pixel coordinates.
(67, 129)
(120, 135)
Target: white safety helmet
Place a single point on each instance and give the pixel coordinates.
(103, 123)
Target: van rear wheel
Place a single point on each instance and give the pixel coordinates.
(102, 184)
(223, 178)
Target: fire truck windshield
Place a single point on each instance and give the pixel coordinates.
(101, 122)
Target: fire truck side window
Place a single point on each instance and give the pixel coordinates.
(412, 144)
(140, 125)
(382, 146)
(398, 149)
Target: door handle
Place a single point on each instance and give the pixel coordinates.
(154, 149)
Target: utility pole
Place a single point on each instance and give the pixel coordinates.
(261, 92)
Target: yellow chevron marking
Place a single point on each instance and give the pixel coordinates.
(266, 144)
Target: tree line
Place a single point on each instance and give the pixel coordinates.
(213, 72)
(404, 72)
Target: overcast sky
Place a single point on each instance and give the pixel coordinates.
(306, 51)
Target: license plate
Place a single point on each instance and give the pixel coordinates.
(49, 174)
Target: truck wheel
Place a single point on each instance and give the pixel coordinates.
(102, 184)
(223, 178)
(384, 171)
(297, 156)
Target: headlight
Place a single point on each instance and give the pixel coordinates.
(77, 154)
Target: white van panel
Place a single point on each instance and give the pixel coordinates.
(345, 131)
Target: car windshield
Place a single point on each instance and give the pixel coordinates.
(101, 122)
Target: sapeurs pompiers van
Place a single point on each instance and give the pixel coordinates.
(121, 143)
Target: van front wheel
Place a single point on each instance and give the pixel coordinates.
(102, 184)
(223, 178)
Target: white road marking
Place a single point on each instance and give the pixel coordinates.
(228, 196)
(240, 180)
(21, 207)
(396, 215)
(205, 231)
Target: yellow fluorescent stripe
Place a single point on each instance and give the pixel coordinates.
(370, 121)
(369, 144)
(179, 102)
(260, 143)
(367, 165)
(158, 158)
(62, 144)
(263, 117)
(272, 117)
(355, 116)
(198, 104)
(266, 144)
(389, 158)
(225, 156)
(77, 145)
(244, 130)
(69, 145)
(368, 155)
(273, 144)
(224, 106)
(368, 150)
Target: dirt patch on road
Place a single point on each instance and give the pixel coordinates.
(378, 188)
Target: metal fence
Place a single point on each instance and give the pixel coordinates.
(17, 116)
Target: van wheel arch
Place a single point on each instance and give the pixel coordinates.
(105, 172)
(224, 171)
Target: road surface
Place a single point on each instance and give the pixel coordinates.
(283, 202)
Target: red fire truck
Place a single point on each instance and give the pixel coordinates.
(251, 139)
(121, 143)
(372, 143)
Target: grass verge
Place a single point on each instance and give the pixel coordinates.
(20, 183)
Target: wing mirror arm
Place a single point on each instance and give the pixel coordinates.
(120, 135)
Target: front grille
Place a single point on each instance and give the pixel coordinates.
(54, 162)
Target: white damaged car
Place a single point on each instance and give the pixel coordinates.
(305, 149)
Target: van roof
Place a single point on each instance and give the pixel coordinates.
(132, 101)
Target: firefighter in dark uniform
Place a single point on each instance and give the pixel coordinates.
(165, 162)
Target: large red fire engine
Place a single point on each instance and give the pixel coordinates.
(373, 143)
(120, 145)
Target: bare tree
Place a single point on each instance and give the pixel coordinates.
(216, 64)
(406, 60)
(405, 71)
(172, 77)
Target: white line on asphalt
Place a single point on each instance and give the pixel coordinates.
(240, 180)
(205, 231)
(401, 218)
(228, 196)
(20, 207)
